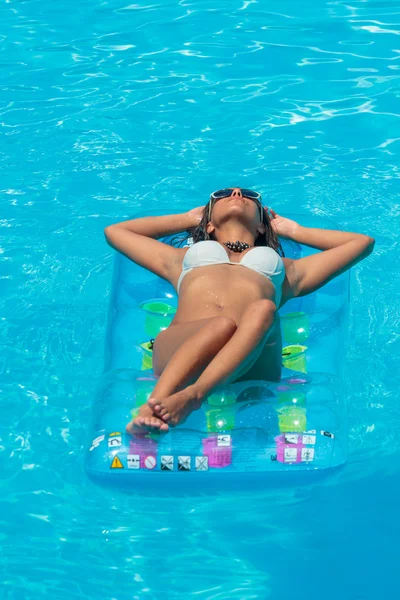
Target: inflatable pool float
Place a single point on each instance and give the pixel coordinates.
(245, 431)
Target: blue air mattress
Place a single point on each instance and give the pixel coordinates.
(244, 431)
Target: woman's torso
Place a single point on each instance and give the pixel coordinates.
(220, 289)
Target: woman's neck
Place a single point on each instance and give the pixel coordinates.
(231, 232)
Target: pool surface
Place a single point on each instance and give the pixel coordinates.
(106, 110)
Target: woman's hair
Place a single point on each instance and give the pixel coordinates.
(199, 233)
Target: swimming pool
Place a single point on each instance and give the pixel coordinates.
(106, 109)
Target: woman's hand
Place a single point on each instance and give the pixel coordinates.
(196, 215)
(282, 226)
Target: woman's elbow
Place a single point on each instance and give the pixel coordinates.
(109, 233)
(370, 243)
(109, 230)
(364, 238)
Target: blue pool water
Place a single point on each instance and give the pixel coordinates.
(109, 107)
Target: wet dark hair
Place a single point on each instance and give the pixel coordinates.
(199, 233)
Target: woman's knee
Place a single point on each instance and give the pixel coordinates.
(223, 327)
(262, 313)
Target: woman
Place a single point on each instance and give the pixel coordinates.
(231, 283)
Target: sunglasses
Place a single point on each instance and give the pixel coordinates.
(250, 194)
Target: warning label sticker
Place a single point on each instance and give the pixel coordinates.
(290, 454)
(224, 440)
(309, 439)
(307, 454)
(184, 463)
(114, 441)
(167, 463)
(133, 461)
(96, 442)
(291, 438)
(327, 434)
(116, 463)
(149, 462)
(201, 463)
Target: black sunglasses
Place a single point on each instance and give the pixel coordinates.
(225, 193)
(228, 191)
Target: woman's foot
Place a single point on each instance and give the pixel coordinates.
(146, 421)
(176, 408)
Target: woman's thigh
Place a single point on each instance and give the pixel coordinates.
(267, 364)
(169, 340)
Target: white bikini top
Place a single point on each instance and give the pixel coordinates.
(262, 259)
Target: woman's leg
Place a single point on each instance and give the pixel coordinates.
(268, 365)
(180, 353)
(252, 333)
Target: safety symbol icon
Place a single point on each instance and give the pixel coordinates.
(167, 463)
(307, 454)
(224, 440)
(201, 463)
(115, 441)
(309, 439)
(291, 438)
(96, 442)
(183, 463)
(116, 463)
(149, 462)
(133, 461)
(290, 454)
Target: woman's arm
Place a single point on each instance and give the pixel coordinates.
(342, 250)
(323, 239)
(312, 272)
(157, 227)
(135, 240)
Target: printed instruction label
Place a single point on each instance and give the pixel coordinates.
(201, 463)
(327, 434)
(290, 454)
(96, 442)
(167, 463)
(291, 438)
(307, 454)
(114, 441)
(224, 440)
(149, 462)
(133, 461)
(116, 463)
(309, 439)
(184, 463)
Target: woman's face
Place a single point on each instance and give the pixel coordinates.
(235, 205)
